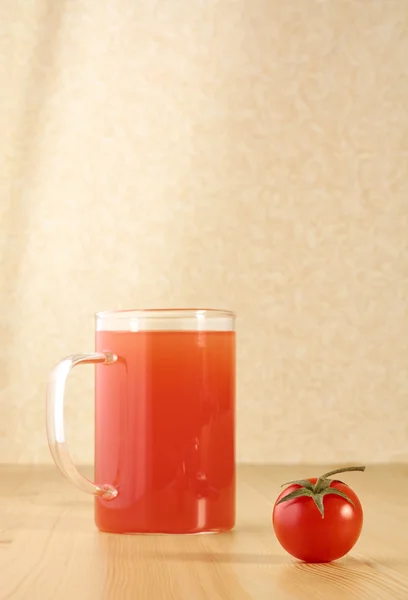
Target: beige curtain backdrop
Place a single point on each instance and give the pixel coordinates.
(248, 154)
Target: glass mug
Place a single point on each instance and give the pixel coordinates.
(164, 421)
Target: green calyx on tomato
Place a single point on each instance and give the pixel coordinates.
(317, 491)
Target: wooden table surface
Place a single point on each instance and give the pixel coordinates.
(50, 548)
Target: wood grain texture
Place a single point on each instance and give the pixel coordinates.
(50, 548)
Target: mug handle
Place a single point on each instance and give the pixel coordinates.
(55, 422)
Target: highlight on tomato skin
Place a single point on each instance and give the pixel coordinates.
(318, 519)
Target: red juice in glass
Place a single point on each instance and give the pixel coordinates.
(165, 427)
(164, 421)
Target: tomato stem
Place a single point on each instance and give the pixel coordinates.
(320, 489)
(321, 483)
(342, 470)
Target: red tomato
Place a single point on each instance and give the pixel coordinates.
(314, 534)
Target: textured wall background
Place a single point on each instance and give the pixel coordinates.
(248, 154)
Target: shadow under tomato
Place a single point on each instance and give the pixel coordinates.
(355, 578)
(373, 563)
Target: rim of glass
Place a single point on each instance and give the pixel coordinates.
(168, 313)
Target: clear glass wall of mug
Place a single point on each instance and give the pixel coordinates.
(164, 421)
